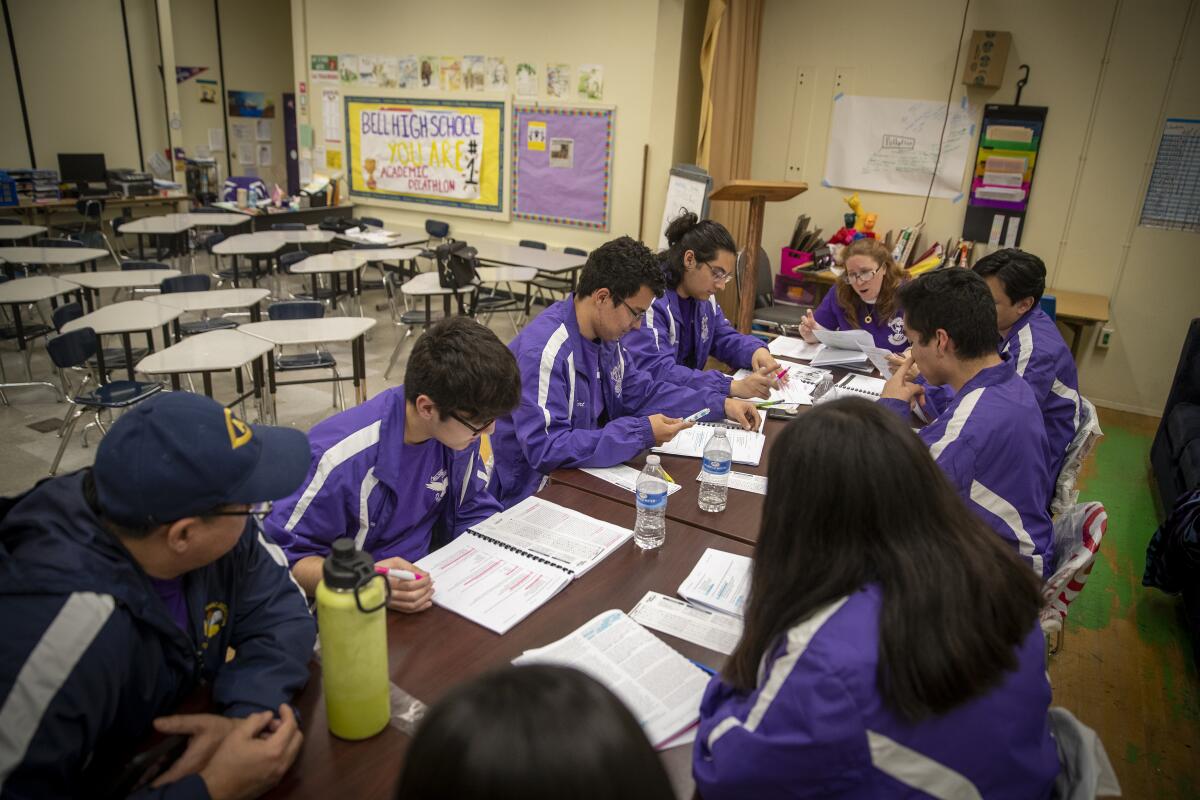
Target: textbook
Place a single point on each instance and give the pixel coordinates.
(660, 687)
(719, 581)
(747, 446)
(506, 567)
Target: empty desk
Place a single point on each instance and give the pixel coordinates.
(216, 351)
(94, 282)
(324, 330)
(124, 319)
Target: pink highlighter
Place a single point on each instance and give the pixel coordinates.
(398, 574)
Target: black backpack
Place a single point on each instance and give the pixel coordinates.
(457, 265)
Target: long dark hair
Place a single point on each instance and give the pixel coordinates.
(704, 237)
(854, 499)
(531, 733)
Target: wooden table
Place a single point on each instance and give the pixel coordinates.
(29, 210)
(434, 651)
(125, 319)
(1077, 310)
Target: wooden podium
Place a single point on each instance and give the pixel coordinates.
(758, 193)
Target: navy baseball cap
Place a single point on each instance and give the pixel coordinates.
(180, 454)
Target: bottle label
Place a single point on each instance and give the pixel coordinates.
(652, 501)
(714, 467)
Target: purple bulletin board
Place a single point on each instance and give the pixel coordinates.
(562, 165)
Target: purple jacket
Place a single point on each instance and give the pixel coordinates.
(1046, 364)
(816, 725)
(583, 404)
(991, 444)
(660, 345)
(888, 333)
(367, 484)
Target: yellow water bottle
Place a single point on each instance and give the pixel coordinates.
(352, 623)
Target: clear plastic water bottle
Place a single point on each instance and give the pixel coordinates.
(650, 530)
(714, 474)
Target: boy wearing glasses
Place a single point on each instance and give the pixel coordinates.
(584, 400)
(124, 586)
(685, 325)
(401, 473)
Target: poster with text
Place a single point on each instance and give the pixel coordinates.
(437, 152)
(562, 165)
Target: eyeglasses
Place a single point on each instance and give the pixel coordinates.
(861, 277)
(719, 275)
(475, 431)
(259, 511)
(638, 316)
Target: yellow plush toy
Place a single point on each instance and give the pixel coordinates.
(856, 206)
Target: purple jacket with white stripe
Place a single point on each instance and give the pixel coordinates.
(991, 444)
(364, 483)
(658, 345)
(583, 404)
(816, 725)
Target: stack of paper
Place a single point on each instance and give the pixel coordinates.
(797, 389)
(789, 347)
(747, 446)
(720, 581)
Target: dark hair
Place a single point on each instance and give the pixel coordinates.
(463, 367)
(957, 301)
(957, 601)
(623, 266)
(704, 237)
(893, 276)
(1021, 274)
(531, 733)
(92, 497)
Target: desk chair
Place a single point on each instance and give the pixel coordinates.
(114, 357)
(196, 283)
(134, 264)
(47, 241)
(9, 221)
(289, 260)
(75, 349)
(1049, 304)
(534, 243)
(549, 282)
(437, 230)
(765, 308)
(32, 330)
(1077, 536)
(318, 359)
(289, 226)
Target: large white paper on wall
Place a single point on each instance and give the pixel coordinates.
(887, 144)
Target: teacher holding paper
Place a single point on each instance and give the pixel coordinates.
(864, 298)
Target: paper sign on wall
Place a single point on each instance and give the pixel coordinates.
(331, 114)
(535, 136)
(323, 68)
(333, 159)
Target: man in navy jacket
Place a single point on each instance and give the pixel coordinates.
(123, 587)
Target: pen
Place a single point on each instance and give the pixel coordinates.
(398, 574)
(782, 373)
(666, 474)
(767, 403)
(704, 668)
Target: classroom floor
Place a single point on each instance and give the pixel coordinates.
(1125, 668)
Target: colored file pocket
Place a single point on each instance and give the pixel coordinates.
(792, 261)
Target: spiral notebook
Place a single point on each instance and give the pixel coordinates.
(747, 446)
(855, 386)
(506, 567)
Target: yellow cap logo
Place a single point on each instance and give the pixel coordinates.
(239, 432)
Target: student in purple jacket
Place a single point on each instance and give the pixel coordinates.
(864, 297)
(989, 440)
(891, 646)
(402, 471)
(685, 325)
(584, 400)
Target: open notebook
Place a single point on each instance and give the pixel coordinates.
(747, 446)
(506, 567)
(855, 386)
(799, 388)
(659, 686)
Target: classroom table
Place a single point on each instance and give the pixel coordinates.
(15, 233)
(24, 291)
(509, 254)
(174, 226)
(29, 209)
(398, 236)
(254, 245)
(1077, 310)
(434, 651)
(213, 300)
(335, 265)
(94, 282)
(493, 277)
(225, 350)
(83, 257)
(125, 319)
(229, 219)
(322, 330)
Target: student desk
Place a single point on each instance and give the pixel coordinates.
(83, 257)
(335, 265)
(29, 210)
(125, 319)
(322, 330)
(213, 300)
(226, 350)
(21, 292)
(507, 254)
(399, 236)
(94, 282)
(15, 233)
(434, 651)
(1077, 310)
(174, 226)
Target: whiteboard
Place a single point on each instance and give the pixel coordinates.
(687, 189)
(888, 144)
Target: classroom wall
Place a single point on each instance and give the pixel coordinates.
(1065, 44)
(640, 44)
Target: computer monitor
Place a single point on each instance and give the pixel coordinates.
(82, 169)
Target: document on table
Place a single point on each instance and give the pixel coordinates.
(624, 476)
(720, 581)
(743, 481)
(701, 626)
(796, 389)
(747, 446)
(790, 347)
(855, 386)
(661, 688)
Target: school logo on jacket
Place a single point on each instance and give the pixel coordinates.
(617, 374)
(438, 484)
(897, 336)
(703, 328)
(215, 616)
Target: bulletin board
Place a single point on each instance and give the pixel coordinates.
(1002, 180)
(562, 165)
(447, 153)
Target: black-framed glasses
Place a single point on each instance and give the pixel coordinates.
(638, 316)
(475, 430)
(259, 511)
(719, 275)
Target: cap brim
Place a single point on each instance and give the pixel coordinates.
(281, 467)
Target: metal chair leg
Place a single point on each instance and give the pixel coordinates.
(69, 421)
(396, 354)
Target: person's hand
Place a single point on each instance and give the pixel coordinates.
(901, 387)
(253, 757)
(757, 384)
(408, 596)
(664, 428)
(896, 360)
(742, 412)
(205, 732)
(807, 325)
(762, 358)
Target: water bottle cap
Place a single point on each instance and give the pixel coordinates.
(346, 567)
(653, 460)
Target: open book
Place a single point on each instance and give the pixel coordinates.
(506, 567)
(720, 581)
(747, 446)
(800, 385)
(659, 686)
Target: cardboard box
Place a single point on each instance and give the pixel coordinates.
(987, 55)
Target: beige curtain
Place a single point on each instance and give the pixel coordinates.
(729, 70)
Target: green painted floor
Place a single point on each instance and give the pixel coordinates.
(1126, 666)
